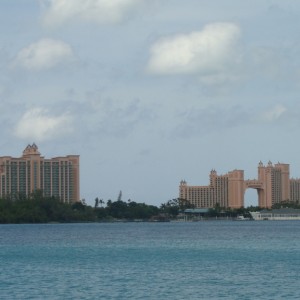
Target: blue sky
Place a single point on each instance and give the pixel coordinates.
(151, 92)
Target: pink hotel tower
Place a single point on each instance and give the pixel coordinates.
(57, 176)
(273, 185)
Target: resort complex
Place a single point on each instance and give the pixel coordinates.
(57, 176)
(273, 186)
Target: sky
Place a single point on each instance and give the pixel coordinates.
(150, 92)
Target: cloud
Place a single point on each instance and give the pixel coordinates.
(275, 113)
(210, 51)
(36, 124)
(195, 121)
(44, 54)
(119, 118)
(100, 11)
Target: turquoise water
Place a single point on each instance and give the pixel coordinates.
(199, 260)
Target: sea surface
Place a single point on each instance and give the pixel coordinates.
(176, 260)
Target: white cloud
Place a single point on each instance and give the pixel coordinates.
(36, 124)
(208, 52)
(275, 113)
(44, 54)
(101, 11)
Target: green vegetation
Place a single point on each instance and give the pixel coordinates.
(174, 206)
(37, 208)
(222, 212)
(287, 204)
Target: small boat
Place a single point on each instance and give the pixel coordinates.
(242, 218)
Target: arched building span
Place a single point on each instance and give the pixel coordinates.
(273, 185)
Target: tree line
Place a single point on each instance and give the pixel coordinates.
(37, 208)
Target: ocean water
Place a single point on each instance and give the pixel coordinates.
(176, 260)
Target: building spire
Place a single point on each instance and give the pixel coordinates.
(31, 150)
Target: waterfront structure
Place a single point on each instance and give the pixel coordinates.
(273, 186)
(57, 176)
(282, 214)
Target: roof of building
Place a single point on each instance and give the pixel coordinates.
(196, 210)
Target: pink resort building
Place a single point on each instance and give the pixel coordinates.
(57, 176)
(273, 185)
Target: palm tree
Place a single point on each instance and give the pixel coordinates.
(101, 202)
(96, 202)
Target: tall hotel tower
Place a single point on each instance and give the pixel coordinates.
(57, 176)
(273, 185)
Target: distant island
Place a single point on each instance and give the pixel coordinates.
(37, 208)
